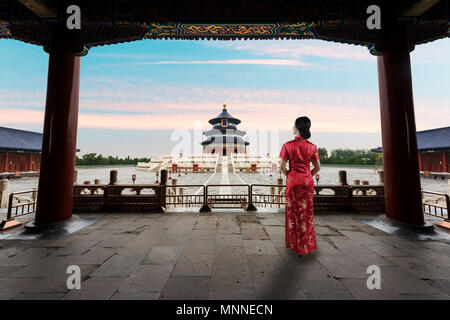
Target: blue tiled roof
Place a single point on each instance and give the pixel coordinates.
(430, 139)
(14, 139)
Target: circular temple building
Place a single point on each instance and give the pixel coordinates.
(224, 138)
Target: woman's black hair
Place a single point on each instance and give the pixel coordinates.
(303, 124)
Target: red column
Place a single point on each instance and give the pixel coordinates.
(60, 132)
(444, 161)
(30, 164)
(6, 162)
(398, 129)
(420, 162)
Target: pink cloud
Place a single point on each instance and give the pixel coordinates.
(300, 48)
(127, 106)
(269, 62)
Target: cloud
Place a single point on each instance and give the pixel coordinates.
(131, 106)
(299, 49)
(256, 117)
(436, 52)
(266, 62)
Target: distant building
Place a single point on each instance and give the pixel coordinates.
(19, 150)
(224, 138)
(434, 149)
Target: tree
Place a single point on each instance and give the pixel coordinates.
(100, 160)
(323, 154)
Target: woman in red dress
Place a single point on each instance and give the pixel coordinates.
(299, 230)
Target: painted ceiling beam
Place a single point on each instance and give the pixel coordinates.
(41, 8)
(419, 7)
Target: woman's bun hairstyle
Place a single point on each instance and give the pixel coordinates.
(303, 124)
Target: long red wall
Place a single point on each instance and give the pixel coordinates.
(14, 161)
(435, 162)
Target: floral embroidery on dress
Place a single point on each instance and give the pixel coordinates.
(299, 235)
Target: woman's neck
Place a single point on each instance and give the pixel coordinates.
(299, 137)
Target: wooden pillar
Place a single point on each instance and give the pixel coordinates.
(60, 131)
(398, 129)
(420, 162)
(6, 162)
(30, 164)
(444, 161)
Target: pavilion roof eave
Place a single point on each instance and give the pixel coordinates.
(31, 21)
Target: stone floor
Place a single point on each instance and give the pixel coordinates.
(222, 255)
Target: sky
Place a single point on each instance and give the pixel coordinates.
(144, 98)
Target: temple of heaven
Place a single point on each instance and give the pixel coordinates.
(224, 138)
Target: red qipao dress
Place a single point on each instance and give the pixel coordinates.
(299, 227)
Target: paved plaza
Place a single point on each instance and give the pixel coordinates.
(222, 255)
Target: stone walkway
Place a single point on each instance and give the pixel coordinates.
(222, 255)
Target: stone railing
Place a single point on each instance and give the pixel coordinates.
(156, 198)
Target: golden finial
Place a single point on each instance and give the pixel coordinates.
(224, 107)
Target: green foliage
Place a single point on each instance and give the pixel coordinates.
(100, 160)
(350, 157)
(323, 153)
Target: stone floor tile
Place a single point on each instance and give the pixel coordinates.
(420, 268)
(117, 241)
(120, 265)
(358, 252)
(326, 231)
(136, 296)
(274, 230)
(99, 235)
(76, 247)
(44, 267)
(186, 288)
(230, 277)
(436, 258)
(273, 286)
(228, 240)
(251, 225)
(137, 246)
(10, 251)
(230, 255)
(198, 247)
(324, 248)
(359, 289)
(147, 278)
(442, 285)
(209, 235)
(247, 218)
(6, 271)
(254, 234)
(259, 247)
(238, 294)
(9, 288)
(38, 296)
(25, 257)
(343, 266)
(100, 288)
(270, 222)
(209, 223)
(95, 256)
(193, 265)
(405, 283)
(163, 255)
(425, 297)
(56, 282)
(329, 296)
